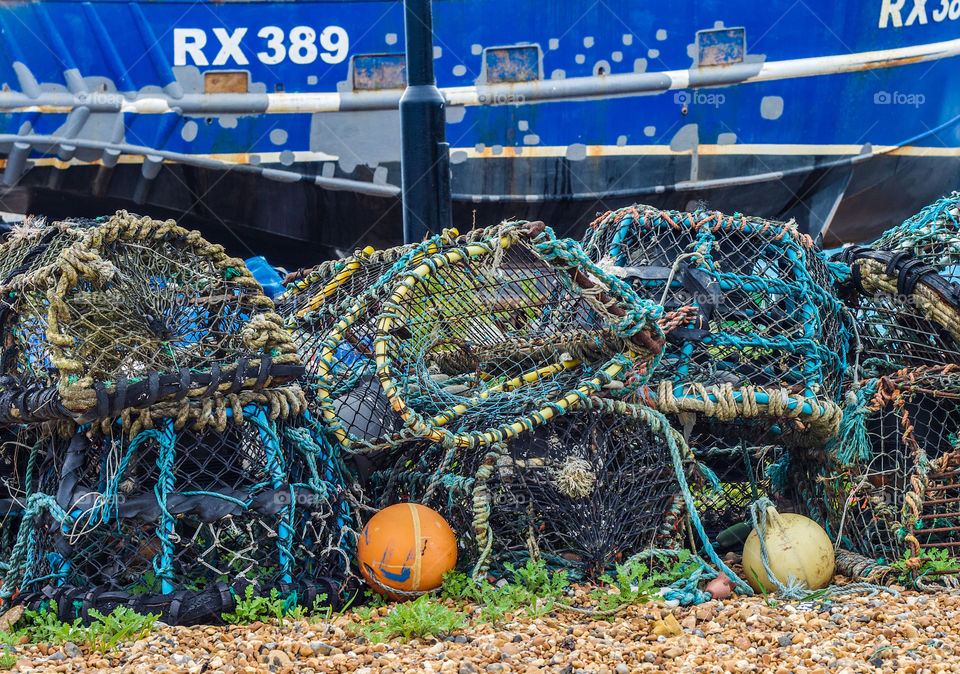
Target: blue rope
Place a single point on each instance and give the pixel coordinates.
(852, 443)
(275, 468)
(163, 560)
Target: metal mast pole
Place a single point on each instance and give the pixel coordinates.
(425, 168)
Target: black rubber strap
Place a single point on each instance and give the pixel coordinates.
(264, 374)
(153, 387)
(214, 380)
(895, 260)
(238, 376)
(120, 396)
(184, 384)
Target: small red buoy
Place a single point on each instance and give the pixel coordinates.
(406, 547)
(720, 587)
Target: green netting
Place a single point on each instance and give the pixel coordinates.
(762, 341)
(508, 325)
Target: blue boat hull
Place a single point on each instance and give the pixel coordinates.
(273, 125)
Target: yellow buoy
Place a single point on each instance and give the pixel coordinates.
(798, 549)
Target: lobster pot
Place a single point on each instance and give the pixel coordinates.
(758, 341)
(907, 314)
(475, 340)
(123, 312)
(582, 493)
(932, 236)
(313, 302)
(179, 521)
(889, 484)
(743, 474)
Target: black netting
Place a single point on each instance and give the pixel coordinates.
(742, 476)
(582, 493)
(138, 518)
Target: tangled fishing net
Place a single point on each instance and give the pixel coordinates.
(907, 314)
(932, 235)
(582, 493)
(889, 484)
(466, 340)
(314, 302)
(100, 316)
(761, 343)
(179, 518)
(743, 475)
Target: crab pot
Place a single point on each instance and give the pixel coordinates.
(932, 236)
(557, 494)
(907, 314)
(179, 521)
(760, 340)
(124, 312)
(472, 341)
(887, 486)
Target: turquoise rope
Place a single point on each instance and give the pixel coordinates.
(852, 443)
(163, 560)
(275, 468)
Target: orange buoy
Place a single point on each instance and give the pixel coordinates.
(406, 547)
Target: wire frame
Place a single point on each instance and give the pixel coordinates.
(124, 312)
(764, 347)
(582, 493)
(907, 314)
(932, 235)
(506, 329)
(888, 485)
(181, 520)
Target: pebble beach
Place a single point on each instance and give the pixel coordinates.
(910, 633)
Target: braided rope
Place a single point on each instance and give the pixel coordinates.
(84, 264)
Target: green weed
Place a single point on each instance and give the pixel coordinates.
(255, 608)
(423, 617)
(102, 634)
(933, 563)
